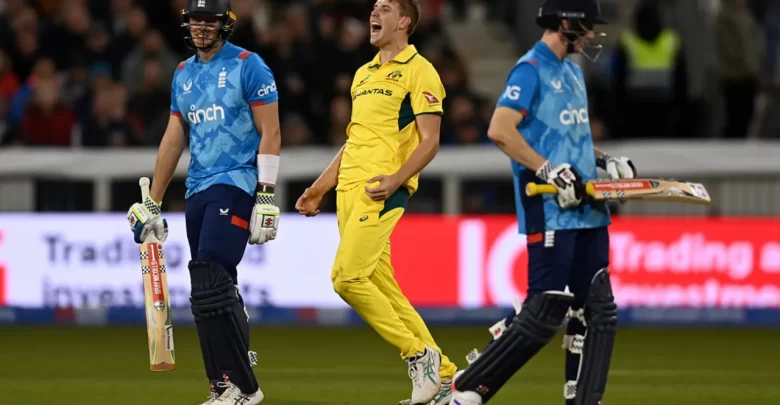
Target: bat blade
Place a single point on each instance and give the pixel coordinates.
(159, 325)
(157, 305)
(649, 189)
(636, 189)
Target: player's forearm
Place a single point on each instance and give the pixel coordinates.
(330, 177)
(420, 158)
(271, 142)
(512, 143)
(168, 155)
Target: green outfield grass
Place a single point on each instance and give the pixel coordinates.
(319, 366)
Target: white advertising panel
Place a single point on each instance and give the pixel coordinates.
(91, 260)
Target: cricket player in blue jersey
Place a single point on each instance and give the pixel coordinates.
(541, 122)
(224, 97)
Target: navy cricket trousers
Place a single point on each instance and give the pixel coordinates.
(572, 258)
(218, 225)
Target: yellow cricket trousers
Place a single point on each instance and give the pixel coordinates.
(364, 277)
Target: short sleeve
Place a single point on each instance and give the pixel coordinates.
(258, 82)
(174, 108)
(427, 92)
(521, 90)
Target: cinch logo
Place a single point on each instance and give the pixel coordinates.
(212, 113)
(575, 116)
(266, 90)
(512, 92)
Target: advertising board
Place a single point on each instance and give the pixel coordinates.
(90, 260)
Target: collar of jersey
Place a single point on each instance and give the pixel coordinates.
(213, 58)
(403, 57)
(546, 54)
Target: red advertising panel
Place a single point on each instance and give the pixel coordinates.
(688, 262)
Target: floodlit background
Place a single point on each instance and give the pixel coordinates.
(84, 100)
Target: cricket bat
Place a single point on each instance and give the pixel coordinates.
(159, 326)
(635, 189)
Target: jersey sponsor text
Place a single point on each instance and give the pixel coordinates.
(213, 113)
(512, 92)
(266, 90)
(374, 91)
(574, 116)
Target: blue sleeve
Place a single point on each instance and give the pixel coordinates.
(174, 107)
(521, 90)
(258, 82)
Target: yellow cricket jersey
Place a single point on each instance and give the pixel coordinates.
(383, 132)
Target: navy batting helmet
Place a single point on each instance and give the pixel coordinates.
(582, 16)
(552, 11)
(211, 9)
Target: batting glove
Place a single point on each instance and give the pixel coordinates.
(265, 218)
(618, 168)
(145, 218)
(571, 189)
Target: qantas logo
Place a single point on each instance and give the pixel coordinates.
(430, 98)
(373, 91)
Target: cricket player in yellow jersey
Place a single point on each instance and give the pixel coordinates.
(394, 133)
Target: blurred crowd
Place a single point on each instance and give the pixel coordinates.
(97, 73)
(646, 89)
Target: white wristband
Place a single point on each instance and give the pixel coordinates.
(267, 169)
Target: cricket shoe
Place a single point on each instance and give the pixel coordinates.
(466, 398)
(424, 372)
(234, 396)
(214, 395)
(443, 397)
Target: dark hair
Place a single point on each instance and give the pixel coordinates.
(411, 9)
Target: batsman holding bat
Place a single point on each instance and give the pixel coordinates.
(541, 122)
(394, 133)
(223, 98)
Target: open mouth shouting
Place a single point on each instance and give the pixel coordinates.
(376, 27)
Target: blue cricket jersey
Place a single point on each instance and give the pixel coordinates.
(215, 99)
(551, 95)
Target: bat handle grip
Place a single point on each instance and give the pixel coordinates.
(590, 188)
(144, 183)
(534, 189)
